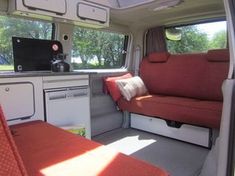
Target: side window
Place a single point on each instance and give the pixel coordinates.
(21, 28)
(197, 38)
(93, 49)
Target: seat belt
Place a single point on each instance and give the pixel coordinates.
(137, 59)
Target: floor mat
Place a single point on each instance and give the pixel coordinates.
(178, 158)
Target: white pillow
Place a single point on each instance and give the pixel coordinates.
(131, 87)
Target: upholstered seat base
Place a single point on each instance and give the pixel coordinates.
(186, 110)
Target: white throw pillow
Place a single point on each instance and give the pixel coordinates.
(131, 87)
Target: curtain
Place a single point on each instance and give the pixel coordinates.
(155, 40)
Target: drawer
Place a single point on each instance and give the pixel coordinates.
(65, 81)
(187, 133)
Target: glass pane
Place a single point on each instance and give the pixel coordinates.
(199, 38)
(94, 49)
(20, 28)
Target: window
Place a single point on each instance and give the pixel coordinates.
(197, 38)
(93, 49)
(20, 28)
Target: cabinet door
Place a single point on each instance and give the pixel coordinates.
(17, 100)
(92, 12)
(56, 6)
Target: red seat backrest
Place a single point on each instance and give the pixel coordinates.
(10, 161)
(197, 76)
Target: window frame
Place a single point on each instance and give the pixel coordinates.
(53, 30)
(128, 39)
(221, 19)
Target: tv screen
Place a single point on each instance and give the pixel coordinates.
(34, 54)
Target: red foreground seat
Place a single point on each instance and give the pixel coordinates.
(40, 149)
(49, 151)
(10, 160)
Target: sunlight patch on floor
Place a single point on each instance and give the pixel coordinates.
(98, 159)
(134, 144)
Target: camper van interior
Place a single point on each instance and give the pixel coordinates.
(117, 87)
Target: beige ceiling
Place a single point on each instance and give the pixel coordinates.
(187, 12)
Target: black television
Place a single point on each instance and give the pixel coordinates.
(34, 54)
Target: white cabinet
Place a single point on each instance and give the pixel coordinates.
(42, 9)
(77, 12)
(93, 13)
(22, 99)
(47, 5)
(17, 100)
(66, 99)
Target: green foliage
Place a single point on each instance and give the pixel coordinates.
(90, 45)
(78, 131)
(6, 67)
(219, 40)
(192, 40)
(20, 28)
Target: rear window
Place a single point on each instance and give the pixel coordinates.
(197, 38)
(20, 28)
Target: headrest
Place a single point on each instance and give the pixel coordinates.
(218, 55)
(158, 57)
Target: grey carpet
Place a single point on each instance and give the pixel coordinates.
(178, 158)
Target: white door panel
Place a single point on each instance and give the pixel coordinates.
(17, 100)
(57, 6)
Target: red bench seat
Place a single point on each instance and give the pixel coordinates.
(49, 151)
(183, 88)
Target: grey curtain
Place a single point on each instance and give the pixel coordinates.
(156, 41)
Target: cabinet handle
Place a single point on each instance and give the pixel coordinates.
(7, 89)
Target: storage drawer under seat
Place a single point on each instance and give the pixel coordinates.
(187, 133)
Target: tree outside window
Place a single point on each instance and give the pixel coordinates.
(10, 27)
(199, 38)
(93, 49)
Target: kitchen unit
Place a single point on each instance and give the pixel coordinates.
(61, 99)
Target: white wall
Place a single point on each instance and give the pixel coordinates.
(138, 34)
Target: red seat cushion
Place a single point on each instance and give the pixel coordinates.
(48, 150)
(113, 88)
(185, 110)
(10, 161)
